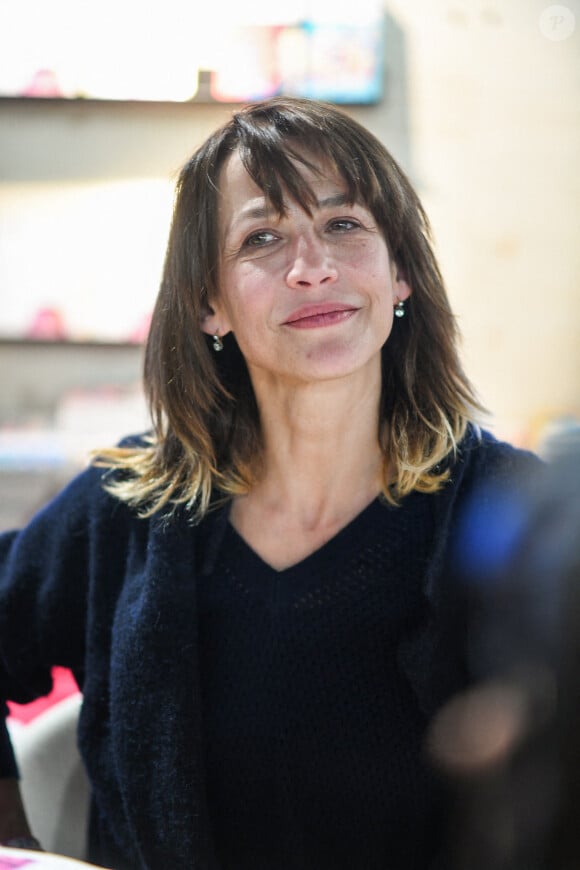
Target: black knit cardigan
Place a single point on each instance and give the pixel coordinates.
(90, 586)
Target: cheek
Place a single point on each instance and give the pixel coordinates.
(245, 303)
(383, 305)
(369, 260)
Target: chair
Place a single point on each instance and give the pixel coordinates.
(54, 785)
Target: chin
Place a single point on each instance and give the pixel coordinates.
(336, 365)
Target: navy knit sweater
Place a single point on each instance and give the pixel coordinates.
(313, 738)
(90, 586)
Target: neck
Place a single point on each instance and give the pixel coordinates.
(322, 455)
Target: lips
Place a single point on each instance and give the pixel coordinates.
(323, 314)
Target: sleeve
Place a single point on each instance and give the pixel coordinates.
(492, 511)
(434, 657)
(44, 579)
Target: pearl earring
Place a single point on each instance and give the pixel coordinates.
(217, 343)
(400, 309)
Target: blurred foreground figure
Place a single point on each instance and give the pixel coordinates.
(510, 744)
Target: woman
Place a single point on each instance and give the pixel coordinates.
(256, 597)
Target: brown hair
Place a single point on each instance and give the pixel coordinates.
(206, 431)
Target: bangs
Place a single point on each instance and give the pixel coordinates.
(274, 147)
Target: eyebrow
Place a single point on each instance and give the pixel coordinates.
(266, 210)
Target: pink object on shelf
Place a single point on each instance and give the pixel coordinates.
(48, 324)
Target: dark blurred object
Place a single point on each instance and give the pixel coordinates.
(510, 745)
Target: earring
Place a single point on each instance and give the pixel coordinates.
(400, 309)
(217, 343)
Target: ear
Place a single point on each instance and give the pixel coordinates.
(214, 322)
(402, 289)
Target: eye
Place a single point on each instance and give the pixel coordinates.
(343, 225)
(259, 239)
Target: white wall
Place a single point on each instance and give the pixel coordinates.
(495, 125)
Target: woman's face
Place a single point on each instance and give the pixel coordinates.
(308, 297)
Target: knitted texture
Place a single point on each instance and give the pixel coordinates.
(313, 737)
(90, 586)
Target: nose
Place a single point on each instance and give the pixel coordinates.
(310, 265)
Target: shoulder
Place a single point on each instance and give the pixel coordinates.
(84, 503)
(499, 481)
(481, 472)
(137, 440)
(484, 459)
